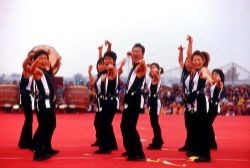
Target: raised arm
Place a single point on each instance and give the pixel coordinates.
(180, 57)
(91, 78)
(109, 44)
(121, 65)
(28, 59)
(100, 51)
(37, 73)
(190, 46)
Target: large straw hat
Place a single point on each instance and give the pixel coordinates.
(54, 57)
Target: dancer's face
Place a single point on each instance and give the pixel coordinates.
(198, 62)
(108, 61)
(216, 77)
(101, 67)
(43, 61)
(154, 70)
(137, 55)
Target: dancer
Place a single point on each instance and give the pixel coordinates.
(45, 106)
(186, 89)
(96, 83)
(25, 141)
(214, 108)
(133, 104)
(200, 77)
(155, 105)
(109, 103)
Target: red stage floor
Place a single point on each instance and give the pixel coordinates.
(75, 133)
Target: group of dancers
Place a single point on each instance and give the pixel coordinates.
(201, 106)
(201, 96)
(106, 84)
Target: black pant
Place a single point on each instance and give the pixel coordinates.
(157, 140)
(188, 126)
(46, 126)
(212, 113)
(107, 136)
(200, 141)
(26, 134)
(131, 138)
(97, 122)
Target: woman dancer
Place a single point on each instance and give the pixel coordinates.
(155, 105)
(25, 141)
(214, 108)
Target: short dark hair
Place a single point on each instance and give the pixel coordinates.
(111, 54)
(39, 53)
(140, 46)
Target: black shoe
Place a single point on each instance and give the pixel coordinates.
(141, 157)
(124, 154)
(40, 157)
(102, 152)
(52, 152)
(213, 146)
(114, 148)
(25, 146)
(135, 158)
(95, 144)
(154, 147)
(189, 154)
(132, 158)
(202, 159)
(184, 148)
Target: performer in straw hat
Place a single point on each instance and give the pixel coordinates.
(43, 72)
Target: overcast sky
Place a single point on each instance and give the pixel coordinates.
(75, 28)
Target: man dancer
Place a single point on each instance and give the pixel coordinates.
(133, 104)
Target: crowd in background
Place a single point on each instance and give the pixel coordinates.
(235, 100)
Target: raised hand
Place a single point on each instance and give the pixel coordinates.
(181, 48)
(90, 68)
(124, 60)
(189, 38)
(100, 51)
(129, 53)
(109, 44)
(100, 47)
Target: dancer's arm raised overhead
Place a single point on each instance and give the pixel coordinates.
(109, 44)
(180, 57)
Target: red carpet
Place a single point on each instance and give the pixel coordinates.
(75, 133)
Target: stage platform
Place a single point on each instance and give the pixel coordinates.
(75, 132)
